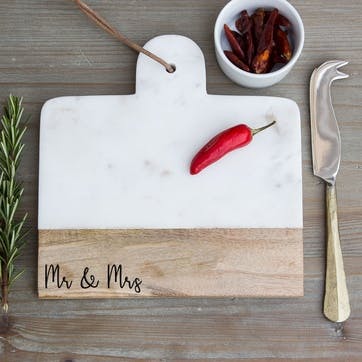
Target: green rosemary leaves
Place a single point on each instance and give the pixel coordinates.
(11, 190)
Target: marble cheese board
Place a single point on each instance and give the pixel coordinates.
(120, 215)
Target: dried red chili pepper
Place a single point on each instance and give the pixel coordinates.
(261, 60)
(243, 24)
(283, 21)
(277, 58)
(241, 42)
(237, 36)
(280, 21)
(250, 49)
(223, 143)
(236, 61)
(258, 19)
(266, 38)
(282, 44)
(235, 46)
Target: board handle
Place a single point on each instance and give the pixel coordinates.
(336, 300)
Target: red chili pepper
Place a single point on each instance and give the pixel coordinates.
(281, 20)
(282, 44)
(277, 58)
(243, 24)
(236, 61)
(258, 19)
(261, 62)
(250, 46)
(239, 39)
(266, 38)
(223, 143)
(235, 46)
(236, 35)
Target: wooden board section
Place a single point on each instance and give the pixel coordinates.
(170, 263)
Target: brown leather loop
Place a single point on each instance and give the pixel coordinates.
(109, 29)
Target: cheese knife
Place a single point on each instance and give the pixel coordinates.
(326, 150)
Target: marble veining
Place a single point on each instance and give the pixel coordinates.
(122, 161)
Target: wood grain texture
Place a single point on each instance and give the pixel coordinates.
(49, 49)
(171, 263)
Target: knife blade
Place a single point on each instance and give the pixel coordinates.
(326, 140)
(326, 155)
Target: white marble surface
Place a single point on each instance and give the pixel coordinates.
(123, 161)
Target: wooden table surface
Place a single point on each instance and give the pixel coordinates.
(50, 49)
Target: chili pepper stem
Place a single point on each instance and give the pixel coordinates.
(257, 130)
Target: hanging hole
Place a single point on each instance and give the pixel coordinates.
(173, 66)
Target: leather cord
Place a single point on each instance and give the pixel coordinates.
(93, 15)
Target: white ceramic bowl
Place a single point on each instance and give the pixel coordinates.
(229, 14)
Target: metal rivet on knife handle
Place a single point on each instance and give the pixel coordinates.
(326, 147)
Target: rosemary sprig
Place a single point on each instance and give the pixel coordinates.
(11, 190)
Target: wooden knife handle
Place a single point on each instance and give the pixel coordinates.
(336, 301)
